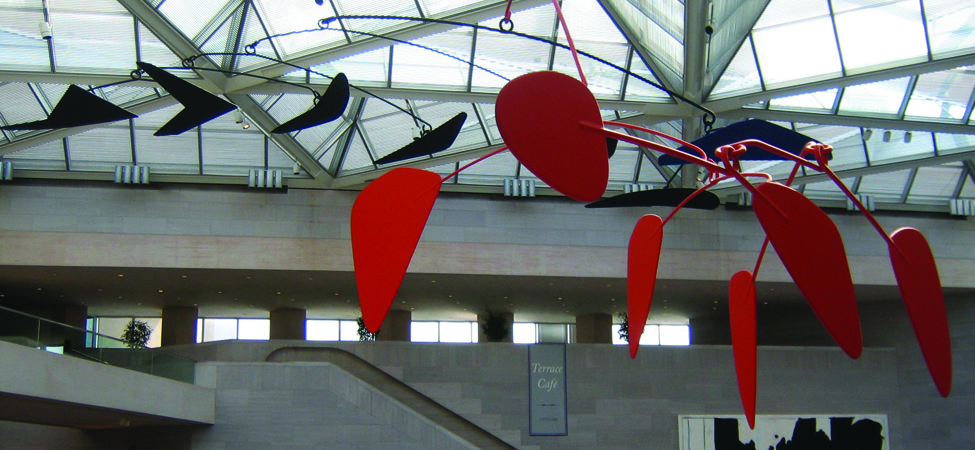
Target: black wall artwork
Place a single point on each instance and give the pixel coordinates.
(840, 432)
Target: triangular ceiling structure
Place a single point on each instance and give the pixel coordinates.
(890, 84)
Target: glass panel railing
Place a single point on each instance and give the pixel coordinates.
(40, 333)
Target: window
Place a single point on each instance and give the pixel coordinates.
(454, 332)
(114, 326)
(537, 333)
(214, 329)
(331, 330)
(658, 335)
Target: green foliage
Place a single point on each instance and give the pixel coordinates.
(136, 334)
(624, 326)
(364, 333)
(494, 326)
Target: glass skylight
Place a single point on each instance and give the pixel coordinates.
(793, 43)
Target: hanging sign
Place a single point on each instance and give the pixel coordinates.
(547, 390)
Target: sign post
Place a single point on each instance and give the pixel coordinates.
(547, 390)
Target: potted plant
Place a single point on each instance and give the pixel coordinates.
(136, 334)
(495, 327)
(624, 331)
(364, 333)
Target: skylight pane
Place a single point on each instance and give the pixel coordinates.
(438, 7)
(123, 94)
(604, 81)
(848, 150)
(659, 27)
(822, 100)
(826, 190)
(968, 190)
(508, 56)
(882, 97)
(797, 51)
(100, 149)
(741, 76)
(356, 157)
(289, 17)
(232, 152)
(87, 39)
(253, 32)
(21, 45)
(368, 69)
(954, 143)
(935, 182)
(882, 152)
(443, 67)
(495, 168)
(942, 95)
(166, 154)
(888, 185)
(375, 8)
(47, 156)
(622, 164)
(950, 26)
(20, 105)
(192, 16)
(153, 51)
(882, 35)
(637, 89)
(779, 12)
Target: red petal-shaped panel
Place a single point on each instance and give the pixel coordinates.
(538, 115)
(387, 220)
(920, 285)
(811, 249)
(744, 338)
(641, 274)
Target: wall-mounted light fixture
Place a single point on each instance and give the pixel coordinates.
(519, 188)
(132, 174)
(867, 134)
(887, 135)
(636, 187)
(6, 171)
(907, 137)
(962, 208)
(866, 200)
(259, 178)
(239, 119)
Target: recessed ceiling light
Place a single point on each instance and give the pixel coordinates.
(433, 281)
(184, 276)
(220, 292)
(39, 289)
(160, 290)
(279, 293)
(121, 275)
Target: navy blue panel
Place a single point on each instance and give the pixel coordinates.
(761, 130)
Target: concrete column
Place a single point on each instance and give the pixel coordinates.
(288, 323)
(75, 316)
(594, 329)
(396, 326)
(179, 325)
(507, 319)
